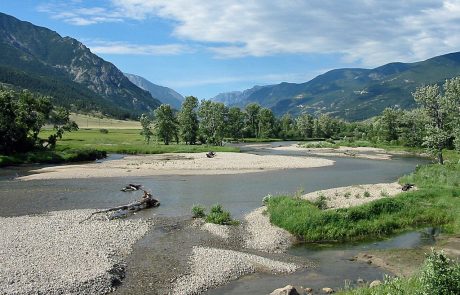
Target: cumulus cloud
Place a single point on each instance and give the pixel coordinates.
(369, 32)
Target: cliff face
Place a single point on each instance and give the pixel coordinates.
(37, 51)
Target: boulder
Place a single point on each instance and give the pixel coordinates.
(375, 283)
(288, 290)
(328, 290)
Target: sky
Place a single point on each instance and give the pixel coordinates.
(206, 47)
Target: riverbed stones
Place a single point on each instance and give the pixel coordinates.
(263, 236)
(53, 253)
(327, 290)
(375, 283)
(212, 267)
(287, 290)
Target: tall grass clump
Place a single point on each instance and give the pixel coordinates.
(375, 219)
(217, 215)
(198, 211)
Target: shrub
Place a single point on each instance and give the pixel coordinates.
(266, 199)
(367, 194)
(357, 195)
(347, 195)
(198, 211)
(384, 193)
(320, 202)
(218, 215)
(440, 275)
(103, 131)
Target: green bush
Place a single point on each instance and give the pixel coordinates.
(320, 202)
(218, 215)
(367, 194)
(198, 211)
(440, 275)
(104, 131)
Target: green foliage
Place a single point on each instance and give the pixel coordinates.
(22, 116)
(319, 144)
(440, 275)
(376, 219)
(146, 122)
(103, 131)
(188, 120)
(218, 215)
(52, 157)
(213, 121)
(166, 125)
(367, 194)
(198, 211)
(320, 202)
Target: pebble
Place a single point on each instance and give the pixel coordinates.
(54, 253)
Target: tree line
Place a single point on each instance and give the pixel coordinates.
(435, 124)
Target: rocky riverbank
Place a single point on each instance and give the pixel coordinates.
(54, 253)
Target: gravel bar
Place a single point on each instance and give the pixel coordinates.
(54, 253)
(261, 235)
(211, 267)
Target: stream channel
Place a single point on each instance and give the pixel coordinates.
(239, 193)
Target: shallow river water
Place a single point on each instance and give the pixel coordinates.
(238, 193)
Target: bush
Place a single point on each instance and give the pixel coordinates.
(440, 275)
(367, 194)
(103, 131)
(218, 215)
(320, 202)
(198, 211)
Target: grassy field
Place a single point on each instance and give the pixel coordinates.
(125, 141)
(86, 121)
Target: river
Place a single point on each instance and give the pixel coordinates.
(239, 193)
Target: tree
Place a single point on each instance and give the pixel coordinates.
(146, 123)
(213, 121)
(305, 125)
(389, 120)
(165, 123)
(235, 123)
(266, 123)
(287, 126)
(188, 120)
(60, 118)
(326, 125)
(22, 115)
(252, 118)
(442, 110)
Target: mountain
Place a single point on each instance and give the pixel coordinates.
(236, 97)
(40, 60)
(163, 94)
(354, 94)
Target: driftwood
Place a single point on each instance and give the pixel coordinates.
(407, 186)
(211, 154)
(131, 187)
(147, 201)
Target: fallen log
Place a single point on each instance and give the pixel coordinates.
(211, 154)
(147, 201)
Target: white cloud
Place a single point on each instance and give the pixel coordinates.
(104, 47)
(369, 32)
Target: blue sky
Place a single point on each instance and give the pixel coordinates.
(204, 47)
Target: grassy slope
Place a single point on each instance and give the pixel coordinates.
(86, 121)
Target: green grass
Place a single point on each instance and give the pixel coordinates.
(125, 141)
(373, 220)
(52, 157)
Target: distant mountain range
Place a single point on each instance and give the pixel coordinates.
(164, 94)
(40, 60)
(353, 94)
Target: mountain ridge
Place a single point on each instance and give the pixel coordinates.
(41, 55)
(354, 93)
(162, 93)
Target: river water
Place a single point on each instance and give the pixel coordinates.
(238, 193)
